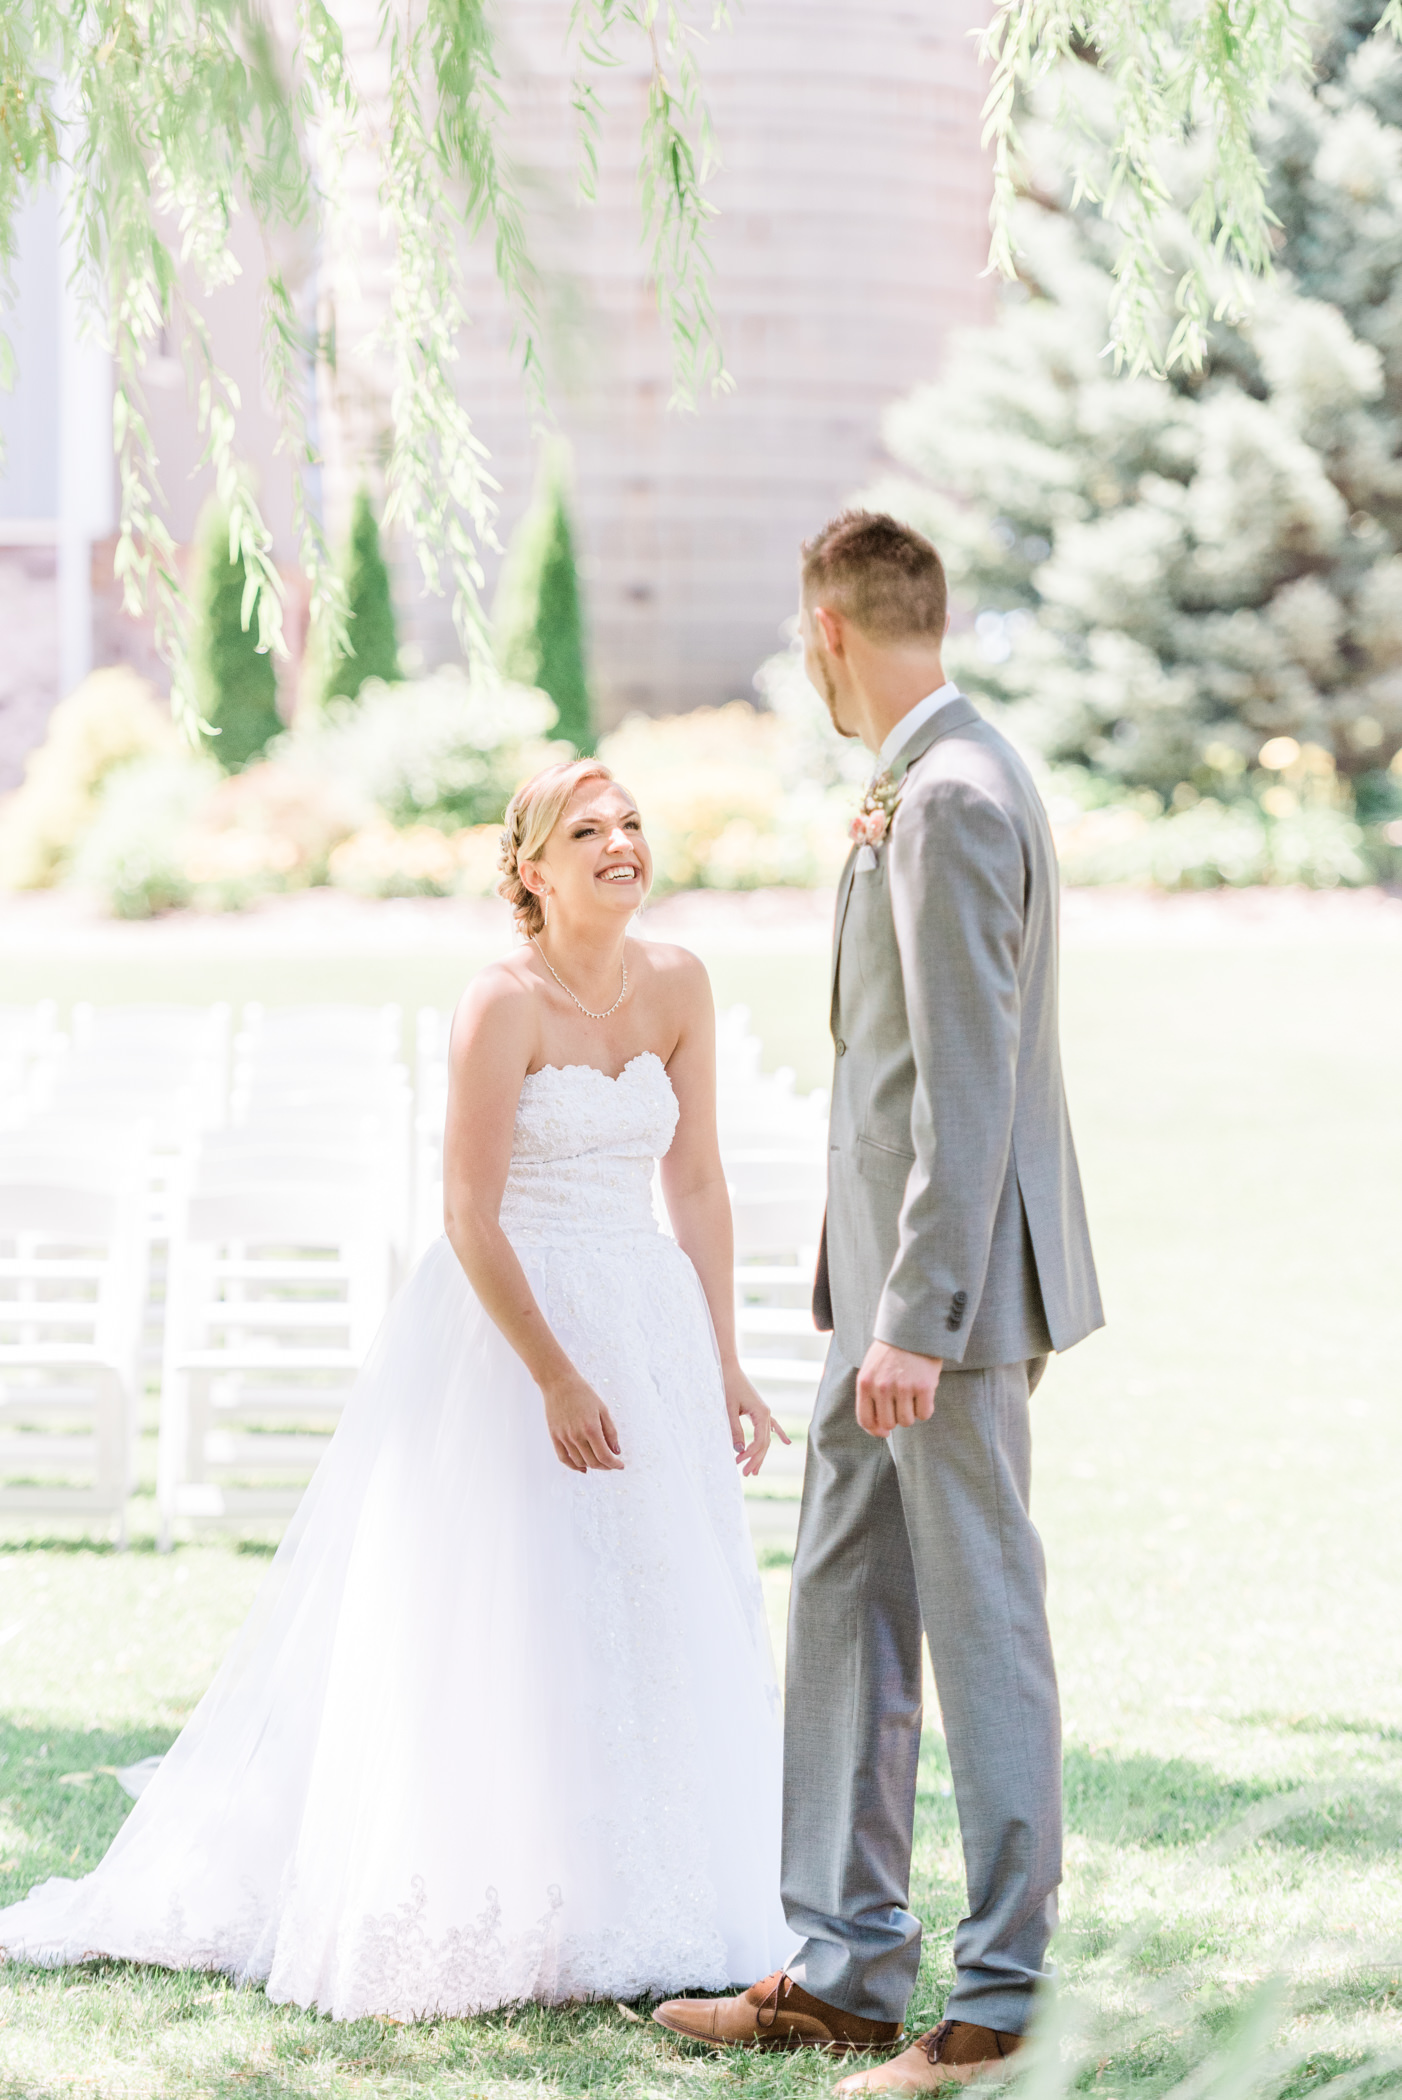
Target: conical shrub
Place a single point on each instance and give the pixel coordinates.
(235, 683)
(538, 617)
(370, 622)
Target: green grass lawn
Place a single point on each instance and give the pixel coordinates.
(1219, 1481)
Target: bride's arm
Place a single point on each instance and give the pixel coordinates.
(493, 1040)
(698, 1202)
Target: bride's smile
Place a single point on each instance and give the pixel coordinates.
(598, 849)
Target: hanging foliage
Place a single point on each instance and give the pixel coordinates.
(234, 681)
(170, 117)
(1194, 73)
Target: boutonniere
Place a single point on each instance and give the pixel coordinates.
(872, 822)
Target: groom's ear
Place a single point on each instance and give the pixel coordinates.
(832, 627)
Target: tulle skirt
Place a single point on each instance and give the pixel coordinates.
(493, 1731)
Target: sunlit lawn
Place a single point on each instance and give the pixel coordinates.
(1219, 1480)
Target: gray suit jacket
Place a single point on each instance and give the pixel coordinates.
(955, 1222)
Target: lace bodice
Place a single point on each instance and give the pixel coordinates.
(584, 1150)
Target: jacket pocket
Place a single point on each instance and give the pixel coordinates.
(882, 1163)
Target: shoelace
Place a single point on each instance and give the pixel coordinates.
(770, 2005)
(932, 2042)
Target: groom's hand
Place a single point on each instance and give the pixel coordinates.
(895, 1388)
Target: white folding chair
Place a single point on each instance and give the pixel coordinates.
(328, 1069)
(172, 1060)
(774, 1150)
(276, 1289)
(363, 1034)
(73, 1253)
(784, 1174)
(781, 1352)
(194, 1033)
(368, 1120)
(165, 1067)
(28, 1036)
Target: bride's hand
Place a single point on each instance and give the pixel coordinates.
(581, 1428)
(741, 1399)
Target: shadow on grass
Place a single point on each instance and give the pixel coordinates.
(59, 1811)
(1134, 1798)
(144, 1547)
(107, 1548)
(1321, 1724)
(1138, 1799)
(190, 2033)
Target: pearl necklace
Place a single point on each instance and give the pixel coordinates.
(586, 1011)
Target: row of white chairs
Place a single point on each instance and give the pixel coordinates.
(236, 1226)
(262, 1165)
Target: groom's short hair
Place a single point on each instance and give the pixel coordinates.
(883, 576)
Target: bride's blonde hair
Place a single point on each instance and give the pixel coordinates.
(531, 815)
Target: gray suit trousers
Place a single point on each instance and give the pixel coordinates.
(930, 1527)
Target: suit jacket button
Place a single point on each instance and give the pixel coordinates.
(959, 1300)
(841, 1047)
(954, 1322)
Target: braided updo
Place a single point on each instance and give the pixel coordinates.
(531, 815)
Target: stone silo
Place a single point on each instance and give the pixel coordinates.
(852, 234)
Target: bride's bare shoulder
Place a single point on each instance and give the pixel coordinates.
(499, 1006)
(678, 966)
(678, 989)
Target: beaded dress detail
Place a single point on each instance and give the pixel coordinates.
(478, 1740)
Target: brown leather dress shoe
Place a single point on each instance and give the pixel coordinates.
(775, 2013)
(955, 2050)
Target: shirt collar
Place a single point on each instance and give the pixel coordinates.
(916, 718)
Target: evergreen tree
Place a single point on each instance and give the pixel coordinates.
(538, 618)
(235, 685)
(370, 623)
(1172, 578)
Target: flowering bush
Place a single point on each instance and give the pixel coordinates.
(738, 798)
(111, 719)
(393, 796)
(440, 750)
(402, 796)
(421, 861)
(1303, 828)
(133, 852)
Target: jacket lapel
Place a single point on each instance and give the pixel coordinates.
(956, 714)
(844, 892)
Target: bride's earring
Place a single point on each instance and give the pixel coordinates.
(544, 909)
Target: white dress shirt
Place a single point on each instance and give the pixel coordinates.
(915, 718)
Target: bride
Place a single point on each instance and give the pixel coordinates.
(502, 1723)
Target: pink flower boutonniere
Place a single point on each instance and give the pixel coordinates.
(872, 823)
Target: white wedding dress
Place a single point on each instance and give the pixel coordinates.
(493, 1730)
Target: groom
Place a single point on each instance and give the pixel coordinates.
(955, 1257)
